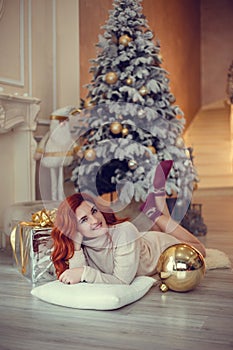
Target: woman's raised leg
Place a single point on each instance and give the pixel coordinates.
(155, 208)
(169, 226)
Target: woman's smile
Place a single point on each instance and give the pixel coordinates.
(98, 226)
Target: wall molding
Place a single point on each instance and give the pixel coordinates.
(30, 76)
(18, 82)
(2, 8)
(54, 21)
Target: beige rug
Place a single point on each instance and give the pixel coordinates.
(216, 259)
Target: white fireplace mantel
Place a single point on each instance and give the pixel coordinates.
(18, 121)
(18, 111)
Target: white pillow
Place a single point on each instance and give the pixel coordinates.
(93, 295)
(216, 259)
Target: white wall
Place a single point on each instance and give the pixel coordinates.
(39, 45)
(216, 48)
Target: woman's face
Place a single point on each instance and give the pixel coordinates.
(91, 222)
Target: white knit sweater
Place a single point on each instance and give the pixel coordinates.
(128, 254)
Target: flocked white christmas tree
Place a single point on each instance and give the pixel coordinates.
(131, 120)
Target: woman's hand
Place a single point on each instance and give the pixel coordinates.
(71, 276)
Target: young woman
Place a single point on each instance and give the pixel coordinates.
(92, 245)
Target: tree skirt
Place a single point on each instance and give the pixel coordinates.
(216, 259)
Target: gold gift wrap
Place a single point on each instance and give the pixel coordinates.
(31, 244)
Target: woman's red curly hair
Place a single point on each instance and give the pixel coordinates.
(65, 226)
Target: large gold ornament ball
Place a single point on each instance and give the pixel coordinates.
(181, 268)
(143, 91)
(111, 78)
(116, 128)
(125, 40)
(90, 154)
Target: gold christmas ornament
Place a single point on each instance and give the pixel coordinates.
(179, 142)
(141, 113)
(111, 78)
(187, 153)
(152, 149)
(160, 57)
(88, 103)
(116, 128)
(132, 164)
(90, 154)
(125, 40)
(143, 91)
(125, 131)
(181, 268)
(129, 81)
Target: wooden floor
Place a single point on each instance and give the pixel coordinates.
(200, 319)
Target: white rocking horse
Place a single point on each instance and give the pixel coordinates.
(55, 149)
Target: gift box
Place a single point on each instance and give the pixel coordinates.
(31, 245)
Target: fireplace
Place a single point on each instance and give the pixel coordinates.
(18, 115)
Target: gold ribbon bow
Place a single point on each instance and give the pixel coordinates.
(40, 219)
(44, 218)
